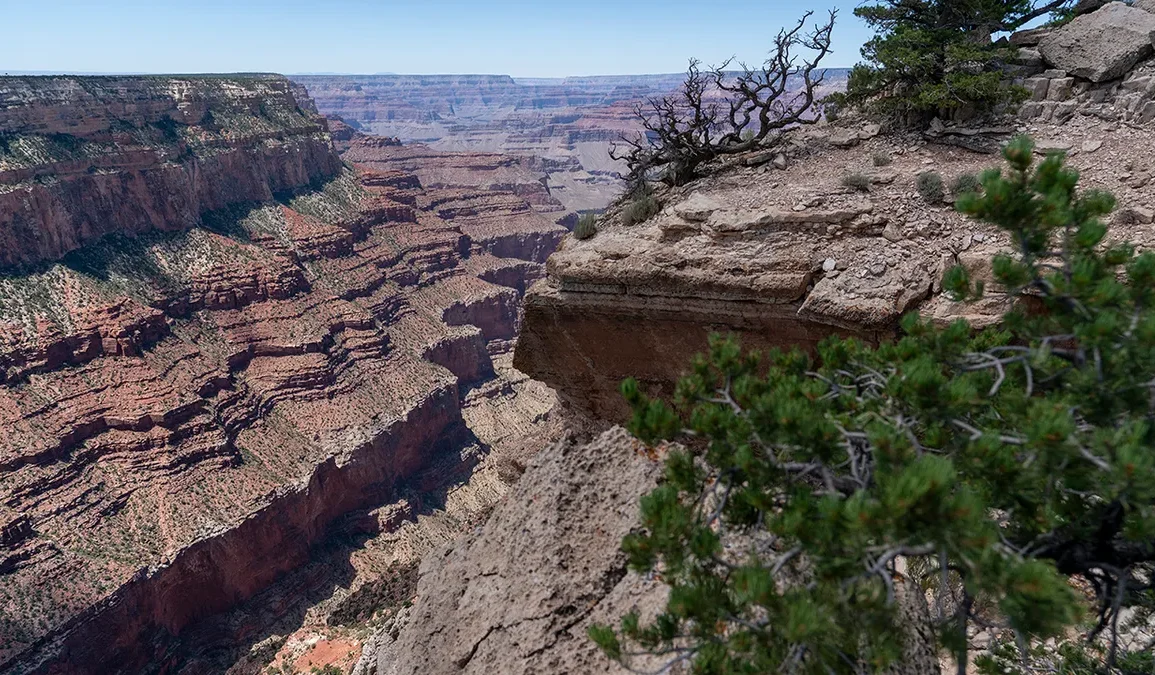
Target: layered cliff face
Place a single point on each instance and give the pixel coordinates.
(81, 157)
(565, 125)
(785, 258)
(219, 343)
(783, 252)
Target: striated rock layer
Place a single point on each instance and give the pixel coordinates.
(517, 595)
(193, 399)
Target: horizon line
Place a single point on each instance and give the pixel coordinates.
(81, 73)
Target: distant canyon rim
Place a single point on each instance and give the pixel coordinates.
(561, 127)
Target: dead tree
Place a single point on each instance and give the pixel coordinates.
(718, 112)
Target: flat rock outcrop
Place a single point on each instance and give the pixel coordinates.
(785, 258)
(193, 400)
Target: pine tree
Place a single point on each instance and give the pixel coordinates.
(936, 57)
(995, 467)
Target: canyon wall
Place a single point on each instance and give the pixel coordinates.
(218, 342)
(81, 157)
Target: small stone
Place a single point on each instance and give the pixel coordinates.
(1091, 146)
(1060, 88)
(1064, 111)
(779, 162)
(759, 158)
(1029, 58)
(892, 232)
(1047, 146)
(829, 265)
(870, 131)
(1137, 83)
(1087, 6)
(1135, 214)
(1037, 87)
(878, 269)
(1147, 113)
(980, 237)
(799, 207)
(696, 208)
(966, 242)
(844, 138)
(1030, 37)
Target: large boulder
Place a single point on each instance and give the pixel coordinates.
(1102, 45)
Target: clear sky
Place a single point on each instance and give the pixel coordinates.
(545, 38)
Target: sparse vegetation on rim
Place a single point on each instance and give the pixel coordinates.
(639, 204)
(686, 129)
(857, 181)
(931, 187)
(964, 183)
(587, 226)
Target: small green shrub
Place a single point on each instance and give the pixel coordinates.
(881, 158)
(641, 209)
(930, 186)
(967, 182)
(587, 226)
(857, 181)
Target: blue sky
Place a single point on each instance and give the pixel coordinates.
(516, 37)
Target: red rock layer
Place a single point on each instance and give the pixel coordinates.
(188, 411)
